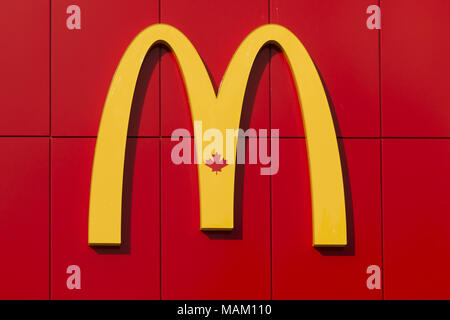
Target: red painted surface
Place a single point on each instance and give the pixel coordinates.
(346, 54)
(128, 272)
(84, 62)
(416, 206)
(24, 218)
(301, 271)
(397, 207)
(213, 265)
(216, 29)
(24, 59)
(415, 67)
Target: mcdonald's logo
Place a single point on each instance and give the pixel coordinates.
(220, 111)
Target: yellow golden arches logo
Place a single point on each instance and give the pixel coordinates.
(222, 111)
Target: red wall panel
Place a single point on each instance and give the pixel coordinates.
(415, 67)
(130, 271)
(24, 63)
(301, 271)
(24, 218)
(345, 53)
(416, 207)
(84, 61)
(216, 29)
(213, 265)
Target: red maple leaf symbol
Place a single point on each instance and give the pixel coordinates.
(216, 164)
